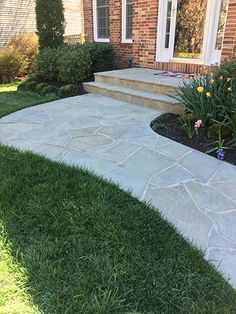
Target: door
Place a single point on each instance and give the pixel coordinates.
(191, 31)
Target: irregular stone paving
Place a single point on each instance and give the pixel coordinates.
(194, 191)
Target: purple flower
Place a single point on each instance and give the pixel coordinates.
(220, 154)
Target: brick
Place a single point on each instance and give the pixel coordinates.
(145, 17)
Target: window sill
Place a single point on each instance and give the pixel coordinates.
(186, 60)
(102, 40)
(127, 41)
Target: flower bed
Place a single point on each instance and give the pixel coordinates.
(209, 121)
(168, 125)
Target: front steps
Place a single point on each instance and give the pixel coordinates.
(138, 86)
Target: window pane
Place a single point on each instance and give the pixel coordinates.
(103, 18)
(189, 32)
(221, 25)
(168, 20)
(129, 18)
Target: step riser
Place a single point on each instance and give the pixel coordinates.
(146, 87)
(141, 101)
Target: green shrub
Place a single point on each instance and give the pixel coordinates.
(102, 57)
(21, 86)
(227, 69)
(47, 61)
(31, 77)
(30, 86)
(50, 23)
(48, 90)
(74, 64)
(68, 91)
(10, 64)
(40, 86)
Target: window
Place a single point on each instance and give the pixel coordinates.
(127, 17)
(101, 20)
(221, 25)
(168, 21)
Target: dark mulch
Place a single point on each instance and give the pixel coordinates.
(168, 125)
(58, 85)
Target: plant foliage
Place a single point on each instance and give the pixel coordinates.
(50, 23)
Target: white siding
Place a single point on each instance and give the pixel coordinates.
(19, 15)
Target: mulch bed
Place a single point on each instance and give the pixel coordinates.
(168, 125)
(58, 85)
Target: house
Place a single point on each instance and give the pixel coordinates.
(19, 16)
(176, 35)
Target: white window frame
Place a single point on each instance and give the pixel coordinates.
(124, 39)
(95, 26)
(210, 56)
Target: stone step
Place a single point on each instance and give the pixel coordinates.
(157, 101)
(147, 80)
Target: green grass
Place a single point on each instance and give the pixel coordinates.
(71, 242)
(14, 297)
(11, 100)
(88, 247)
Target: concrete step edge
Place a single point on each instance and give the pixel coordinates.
(132, 92)
(102, 74)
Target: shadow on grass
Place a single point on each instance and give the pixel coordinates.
(89, 247)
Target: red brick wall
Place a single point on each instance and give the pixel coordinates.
(144, 32)
(123, 51)
(229, 44)
(143, 49)
(88, 20)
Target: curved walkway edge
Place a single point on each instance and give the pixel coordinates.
(195, 192)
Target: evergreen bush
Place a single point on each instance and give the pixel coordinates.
(50, 23)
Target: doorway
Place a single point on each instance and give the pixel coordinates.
(191, 31)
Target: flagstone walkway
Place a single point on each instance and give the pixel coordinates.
(194, 191)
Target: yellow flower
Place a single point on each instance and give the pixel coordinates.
(221, 78)
(212, 82)
(200, 89)
(208, 94)
(228, 79)
(229, 89)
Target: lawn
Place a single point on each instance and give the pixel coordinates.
(72, 242)
(11, 100)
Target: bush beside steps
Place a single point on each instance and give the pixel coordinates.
(34, 85)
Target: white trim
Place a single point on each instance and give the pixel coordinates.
(172, 29)
(210, 56)
(215, 56)
(124, 15)
(95, 26)
(162, 54)
(186, 60)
